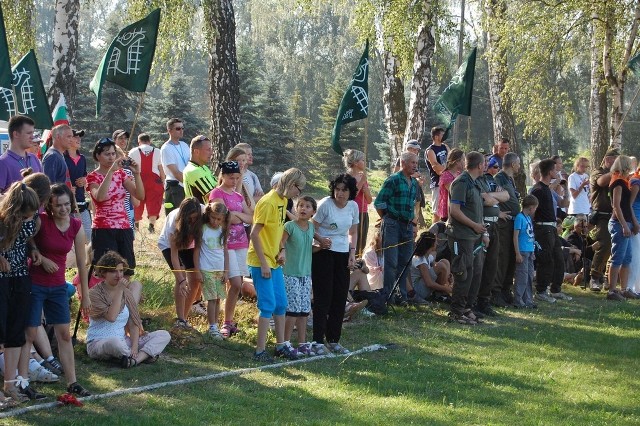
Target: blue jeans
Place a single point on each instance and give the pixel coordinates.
(620, 245)
(397, 243)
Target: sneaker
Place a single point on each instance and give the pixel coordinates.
(365, 313)
(319, 348)
(594, 284)
(262, 357)
(471, 314)
(531, 306)
(338, 349)
(305, 349)
(42, 375)
(545, 297)
(486, 310)
(417, 300)
(561, 296)
(628, 294)
(614, 295)
(215, 334)
(31, 393)
(54, 366)
(181, 323)
(199, 308)
(286, 351)
(461, 319)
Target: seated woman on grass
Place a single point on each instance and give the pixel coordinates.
(429, 279)
(115, 329)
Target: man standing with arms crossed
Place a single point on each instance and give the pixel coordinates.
(601, 213)
(465, 232)
(175, 156)
(397, 204)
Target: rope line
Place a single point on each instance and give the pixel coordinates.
(196, 379)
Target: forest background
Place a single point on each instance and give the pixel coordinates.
(551, 75)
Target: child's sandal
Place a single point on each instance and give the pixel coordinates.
(77, 389)
(127, 361)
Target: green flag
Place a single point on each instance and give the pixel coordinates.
(355, 102)
(7, 105)
(456, 97)
(30, 97)
(128, 60)
(634, 65)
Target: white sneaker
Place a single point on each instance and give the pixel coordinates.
(215, 333)
(42, 375)
(319, 348)
(545, 298)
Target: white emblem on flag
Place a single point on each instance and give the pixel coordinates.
(6, 97)
(22, 83)
(131, 43)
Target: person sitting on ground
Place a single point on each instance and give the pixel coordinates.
(115, 328)
(579, 237)
(374, 262)
(430, 279)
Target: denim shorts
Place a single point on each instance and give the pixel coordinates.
(53, 300)
(620, 245)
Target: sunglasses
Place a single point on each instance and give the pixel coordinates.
(495, 167)
(178, 128)
(296, 185)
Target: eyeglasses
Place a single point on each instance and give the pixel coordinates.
(105, 140)
(178, 128)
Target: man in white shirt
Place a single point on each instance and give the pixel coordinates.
(175, 156)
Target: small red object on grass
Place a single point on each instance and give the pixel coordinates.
(69, 399)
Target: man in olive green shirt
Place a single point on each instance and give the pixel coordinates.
(465, 232)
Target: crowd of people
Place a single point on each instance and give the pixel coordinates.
(306, 262)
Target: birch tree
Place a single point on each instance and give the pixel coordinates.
(65, 53)
(224, 92)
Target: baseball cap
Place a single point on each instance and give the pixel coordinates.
(37, 137)
(79, 133)
(493, 162)
(612, 152)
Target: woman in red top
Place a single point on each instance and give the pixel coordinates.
(108, 186)
(354, 162)
(58, 232)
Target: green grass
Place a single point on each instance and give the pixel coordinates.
(572, 363)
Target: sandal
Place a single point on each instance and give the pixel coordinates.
(14, 394)
(6, 402)
(127, 361)
(77, 389)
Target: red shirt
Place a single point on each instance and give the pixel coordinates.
(54, 245)
(112, 212)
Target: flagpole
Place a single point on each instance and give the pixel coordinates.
(633, 101)
(135, 119)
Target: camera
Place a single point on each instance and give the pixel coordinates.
(126, 162)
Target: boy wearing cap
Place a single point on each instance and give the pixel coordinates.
(198, 179)
(152, 174)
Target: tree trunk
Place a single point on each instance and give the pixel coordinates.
(421, 80)
(224, 85)
(395, 113)
(597, 105)
(65, 53)
(503, 123)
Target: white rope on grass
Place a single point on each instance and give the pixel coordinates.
(140, 389)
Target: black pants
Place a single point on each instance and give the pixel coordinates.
(506, 260)
(489, 267)
(330, 283)
(549, 259)
(173, 197)
(467, 271)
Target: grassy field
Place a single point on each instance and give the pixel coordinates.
(572, 363)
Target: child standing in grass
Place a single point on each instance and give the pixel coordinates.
(265, 258)
(524, 244)
(296, 248)
(211, 259)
